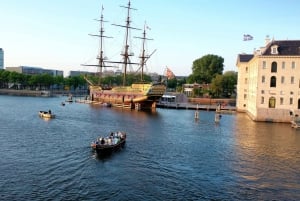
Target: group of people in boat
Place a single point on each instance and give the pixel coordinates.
(113, 139)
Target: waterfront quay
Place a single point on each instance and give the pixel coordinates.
(181, 101)
(194, 106)
(13, 92)
(41, 93)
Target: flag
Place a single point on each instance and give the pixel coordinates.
(169, 74)
(248, 37)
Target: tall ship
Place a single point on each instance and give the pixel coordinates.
(140, 95)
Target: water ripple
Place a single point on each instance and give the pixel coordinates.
(168, 155)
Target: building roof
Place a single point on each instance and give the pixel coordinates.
(285, 47)
(245, 57)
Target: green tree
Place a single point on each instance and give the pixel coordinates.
(216, 86)
(224, 85)
(229, 82)
(206, 68)
(172, 83)
(46, 80)
(180, 83)
(4, 78)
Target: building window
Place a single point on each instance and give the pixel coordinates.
(291, 101)
(282, 79)
(245, 96)
(262, 100)
(263, 79)
(291, 92)
(264, 64)
(246, 81)
(272, 102)
(246, 69)
(274, 67)
(281, 101)
(292, 80)
(273, 81)
(274, 49)
(262, 91)
(293, 65)
(283, 65)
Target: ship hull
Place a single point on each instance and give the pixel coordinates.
(136, 96)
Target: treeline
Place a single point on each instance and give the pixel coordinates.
(16, 80)
(207, 70)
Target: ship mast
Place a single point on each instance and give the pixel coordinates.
(126, 55)
(100, 56)
(143, 56)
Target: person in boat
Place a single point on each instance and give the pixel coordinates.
(102, 141)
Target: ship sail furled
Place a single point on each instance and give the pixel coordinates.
(140, 95)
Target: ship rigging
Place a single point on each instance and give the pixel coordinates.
(139, 95)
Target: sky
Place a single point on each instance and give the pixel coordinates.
(55, 34)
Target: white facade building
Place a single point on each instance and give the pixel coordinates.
(268, 86)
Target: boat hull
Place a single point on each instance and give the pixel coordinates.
(46, 115)
(136, 96)
(112, 143)
(104, 150)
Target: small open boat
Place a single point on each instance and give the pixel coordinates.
(70, 99)
(46, 114)
(106, 145)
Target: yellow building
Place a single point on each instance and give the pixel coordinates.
(268, 87)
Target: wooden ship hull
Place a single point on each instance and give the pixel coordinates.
(138, 96)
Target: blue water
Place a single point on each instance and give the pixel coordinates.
(168, 155)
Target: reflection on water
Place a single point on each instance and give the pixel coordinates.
(268, 157)
(168, 155)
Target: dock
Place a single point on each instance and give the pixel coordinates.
(14, 92)
(192, 106)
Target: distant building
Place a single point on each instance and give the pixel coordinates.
(77, 73)
(29, 70)
(173, 98)
(188, 89)
(1, 58)
(268, 87)
(104, 73)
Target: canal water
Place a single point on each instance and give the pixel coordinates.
(168, 155)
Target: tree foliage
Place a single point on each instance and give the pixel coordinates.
(206, 68)
(224, 85)
(39, 81)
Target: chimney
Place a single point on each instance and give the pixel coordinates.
(267, 40)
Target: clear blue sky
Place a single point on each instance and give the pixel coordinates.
(54, 34)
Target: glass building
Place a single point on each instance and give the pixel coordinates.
(1, 59)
